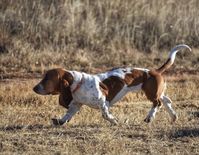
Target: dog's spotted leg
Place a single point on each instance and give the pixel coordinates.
(107, 115)
(152, 112)
(167, 104)
(73, 109)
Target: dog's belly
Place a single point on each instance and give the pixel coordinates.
(90, 101)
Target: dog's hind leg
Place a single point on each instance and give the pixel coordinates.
(152, 112)
(167, 104)
(107, 115)
(73, 109)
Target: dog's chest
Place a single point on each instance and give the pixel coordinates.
(89, 92)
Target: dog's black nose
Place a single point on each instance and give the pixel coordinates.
(36, 88)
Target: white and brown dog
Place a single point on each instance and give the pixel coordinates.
(104, 90)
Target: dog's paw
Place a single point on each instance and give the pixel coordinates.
(174, 119)
(147, 120)
(57, 122)
(114, 122)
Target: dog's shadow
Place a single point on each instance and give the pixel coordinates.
(179, 133)
(24, 127)
(194, 114)
(34, 127)
(186, 132)
(77, 132)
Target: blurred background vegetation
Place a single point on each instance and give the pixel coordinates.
(86, 33)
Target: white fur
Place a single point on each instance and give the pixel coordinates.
(119, 72)
(89, 92)
(142, 69)
(73, 109)
(173, 52)
(151, 114)
(167, 104)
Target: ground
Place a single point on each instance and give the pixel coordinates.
(26, 128)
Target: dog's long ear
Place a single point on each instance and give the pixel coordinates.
(67, 79)
(65, 97)
(65, 83)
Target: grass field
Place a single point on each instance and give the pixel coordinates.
(94, 36)
(25, 125)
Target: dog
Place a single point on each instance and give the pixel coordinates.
(101, 91)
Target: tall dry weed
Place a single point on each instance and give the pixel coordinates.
(98, 24)
(104, 33)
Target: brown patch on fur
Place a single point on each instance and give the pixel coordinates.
(65, 77)
(50, 82)
(65, 80)
(153, 83)
(165, 66)
(135, 78)
(153, 86)
(58, 81)
(114, 85)
(104, 89)
(59, 78)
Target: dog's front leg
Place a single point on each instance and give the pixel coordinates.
(107, 115)
(73, 109)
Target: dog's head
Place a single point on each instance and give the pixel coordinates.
(54, 82)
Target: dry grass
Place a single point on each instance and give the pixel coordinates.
(100, 24)
(37, 35)
(32, 62)
(25, 125)
(93, 36)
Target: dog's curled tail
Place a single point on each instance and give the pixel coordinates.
(171, 58)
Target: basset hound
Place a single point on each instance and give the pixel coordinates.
(101, 91)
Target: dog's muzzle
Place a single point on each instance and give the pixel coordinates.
(39, 89)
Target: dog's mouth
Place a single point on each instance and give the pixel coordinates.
(40, 90)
